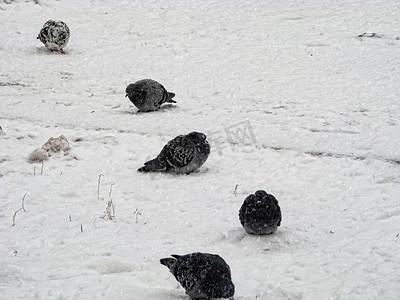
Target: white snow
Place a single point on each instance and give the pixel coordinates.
(293, 101)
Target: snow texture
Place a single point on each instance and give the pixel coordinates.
(292, 100)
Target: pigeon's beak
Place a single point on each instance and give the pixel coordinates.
(126, 95)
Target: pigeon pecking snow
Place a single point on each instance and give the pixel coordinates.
(260, 213)
(54, 35)
(202, 275)
(148, 95)
(182, 155)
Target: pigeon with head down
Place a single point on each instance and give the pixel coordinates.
(202, 275)
(54, 35)
(148, 95)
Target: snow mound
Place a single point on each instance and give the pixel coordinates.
(54, 146)
(38, 155)
(57, 145)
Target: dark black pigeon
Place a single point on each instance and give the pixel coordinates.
(182, 155)
(54, 35)
(202, 275)
(260, 213)
(148, 94)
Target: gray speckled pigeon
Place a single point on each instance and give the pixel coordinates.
(182, 155)
(148, 95)
(54, 35)
(260, 213)
(202, 275)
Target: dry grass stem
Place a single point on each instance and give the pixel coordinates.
(137, 213)
(110, 211)
(22, 204)
(98, 186)
(13, 224)
(235, 191)
(109, 194)
(22, 208)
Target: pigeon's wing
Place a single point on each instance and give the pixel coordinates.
(275, 211)
(201, 274)
(248, 206)
(54, 33)
(179, 152)
(163, 95)
(44, 34)
(188, 271)
(61, 35)
(222, 267)
(278, 215)
(180, 157)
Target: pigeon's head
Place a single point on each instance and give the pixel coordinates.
(261, 194)
(200, 140)
(135, 93)
(197, 136)
(227, 288)
(264, 195)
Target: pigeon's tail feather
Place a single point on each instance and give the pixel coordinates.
(153, 165)
(143, 169)
(176, 256)
(168, 262)
(169, 97)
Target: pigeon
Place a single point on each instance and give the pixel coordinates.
(54, 35)
(181, 155)
(202, 275)
(148, 95)
(260, 213)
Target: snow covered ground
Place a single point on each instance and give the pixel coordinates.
(293, 101)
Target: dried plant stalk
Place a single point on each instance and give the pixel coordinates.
(109, 212)
(137, 213)
(98, 186)
(22, 208)
(235, 191)
(109, 194)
